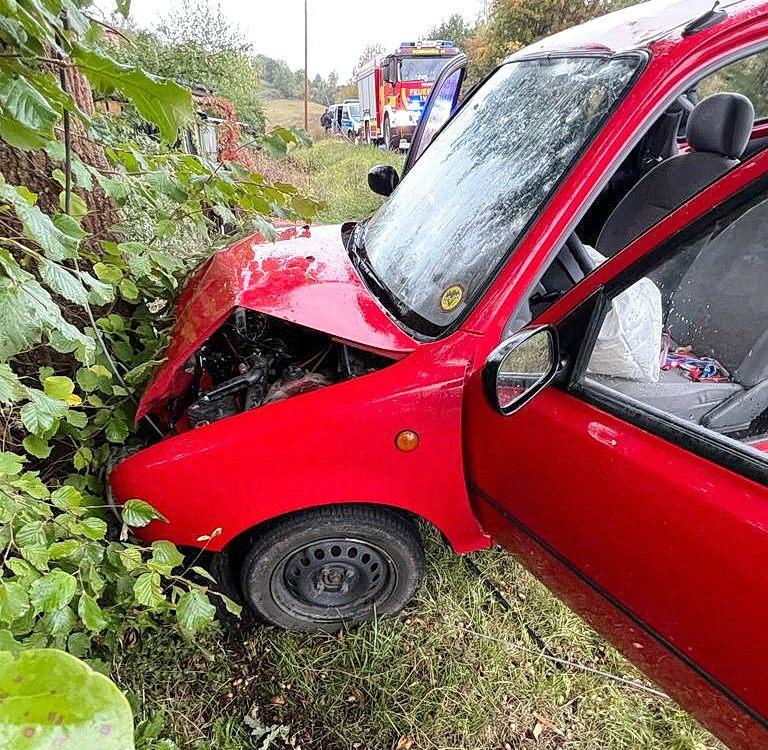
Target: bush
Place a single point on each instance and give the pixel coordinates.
(89, 266)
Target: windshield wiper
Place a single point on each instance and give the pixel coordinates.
(359, 257)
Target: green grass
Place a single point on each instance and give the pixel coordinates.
(337, 173)
(290, 112)
(457, 670)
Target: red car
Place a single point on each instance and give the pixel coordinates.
(552, 336)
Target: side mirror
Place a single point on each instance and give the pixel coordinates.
(383, 179)
(520, 367)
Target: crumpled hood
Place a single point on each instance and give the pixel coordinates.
(305, 277)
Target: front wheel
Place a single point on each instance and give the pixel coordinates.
(337, 565)
(387, 134)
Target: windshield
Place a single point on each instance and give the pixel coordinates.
(422, 68)
(462, 206)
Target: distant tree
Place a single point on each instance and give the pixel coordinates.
(370, 51)
(453, 28)
(509, 25)
(748, 76)
(347, 91)
(277, 75)
(196, 45)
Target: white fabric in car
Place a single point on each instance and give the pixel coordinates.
(629, 343)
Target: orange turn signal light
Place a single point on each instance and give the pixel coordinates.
(407, 440)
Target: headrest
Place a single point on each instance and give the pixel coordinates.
(721, 123)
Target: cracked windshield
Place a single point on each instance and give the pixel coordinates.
(472, 192)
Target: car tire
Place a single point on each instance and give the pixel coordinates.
(333, 566)
(387, 133)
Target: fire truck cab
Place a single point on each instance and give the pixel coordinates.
(394, 89)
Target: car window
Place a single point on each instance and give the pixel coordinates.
(748, 76)
(464, 203)
(690, 339)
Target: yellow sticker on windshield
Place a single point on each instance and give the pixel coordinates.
(451, 298)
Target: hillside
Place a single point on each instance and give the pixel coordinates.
(291, 112)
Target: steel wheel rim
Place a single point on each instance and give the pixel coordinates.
(330, 579)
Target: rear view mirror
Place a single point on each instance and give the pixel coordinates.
(383, 179)
(518, 369)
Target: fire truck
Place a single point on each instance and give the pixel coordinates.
(393, 89)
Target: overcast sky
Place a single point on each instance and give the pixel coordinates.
(339, 30)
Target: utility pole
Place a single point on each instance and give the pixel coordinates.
(306, 73)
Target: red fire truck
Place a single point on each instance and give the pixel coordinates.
(394, 89)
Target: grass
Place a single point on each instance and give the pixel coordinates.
(337, 173)
(457, 671)
(290, 112)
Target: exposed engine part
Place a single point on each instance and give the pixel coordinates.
(254, 360)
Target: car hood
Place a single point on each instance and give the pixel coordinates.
(304, 277)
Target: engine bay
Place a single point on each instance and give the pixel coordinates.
(254, 360)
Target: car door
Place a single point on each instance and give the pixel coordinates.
(442, 102)
(647, 514)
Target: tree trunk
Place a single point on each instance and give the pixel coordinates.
(34, 169)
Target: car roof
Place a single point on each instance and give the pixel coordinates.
(639, 26)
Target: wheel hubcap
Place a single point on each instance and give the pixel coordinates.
(335, 573)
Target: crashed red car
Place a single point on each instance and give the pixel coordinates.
(552, 336)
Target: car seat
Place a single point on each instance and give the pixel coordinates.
(719, 128)
(718, 307)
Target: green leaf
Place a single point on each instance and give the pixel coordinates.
(165, 185)
(23, 102)
(128, 290)
(117, 430)
(66, 548)
(101, 293)
(107, 272)
(70, 226)
(10, 387)
(83, 457)
(19, 136)
(167, 554)
(32, 532)
(38, 226)
(163, 103)
(77, 205)
(124, 7)
(194, 612)
(52, 591)
(10, 463)
(148, 591)
(59, 387)
(202, 572)
(232, 607)
(90, 713)
(131, 558)
(36, 555)
(60, 621)
(27, 311)
(92, 528)
(137, 513)
(79, 644)
(63, 281)
(14, 602)
(67, 497)
(36, 446)
(41, 412)
(77, 419)
(91, 614)
(30, 483)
